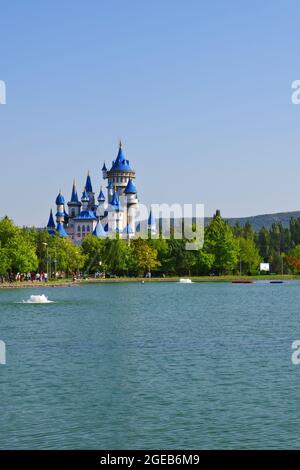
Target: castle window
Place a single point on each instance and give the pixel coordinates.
(78, 228)
(88, 228)
(73, 213)
(83, 228)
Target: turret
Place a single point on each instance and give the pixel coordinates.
(85, 200)
(132, 204)
(131, 192)
(60, 204)
(110, 191)
(90, 193)
(115, 202)
(101, 200)
(104, 171)
(61, 230)
(51, 224)
(151, 224)
(74, 204)
(114, 214)
(120, 171)
(99, 231)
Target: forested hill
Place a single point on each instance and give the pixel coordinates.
(258, 221)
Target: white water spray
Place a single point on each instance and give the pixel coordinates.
(38, 299)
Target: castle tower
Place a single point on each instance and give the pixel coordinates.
(119, 173)
(85, 200)
(101, 200)
(51, 224)
(60, 229)
(132, 205)
(74, 204)
(60, 204)
(110, 192)
(90, 193)
(114, 215)
(104, 171)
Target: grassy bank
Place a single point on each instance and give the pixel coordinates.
(69, 282)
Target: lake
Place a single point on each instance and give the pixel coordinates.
(154, 365)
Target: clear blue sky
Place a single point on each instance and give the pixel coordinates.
(199, 92)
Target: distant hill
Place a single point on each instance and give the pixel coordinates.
(258, 221)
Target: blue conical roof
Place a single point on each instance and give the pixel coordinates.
(99, 230)
(61, 230)
(115, 200)
(74, 195)
(51, 223)
(85, 196)
(130, 188)
(104, 167)
(121, 163)
(88, 184)
(110, 185)
(101, 196)
(60, 199)
(151, 219)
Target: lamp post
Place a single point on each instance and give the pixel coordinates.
(46, 245)
(77, 253)
(55, 264)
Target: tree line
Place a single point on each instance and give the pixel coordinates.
(226, 250)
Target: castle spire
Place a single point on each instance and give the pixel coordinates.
(101, 197)
(51, 224)
(88, 184)
(74, 196)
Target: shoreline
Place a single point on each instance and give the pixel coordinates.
(71, 283)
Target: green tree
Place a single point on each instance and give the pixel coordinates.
(7, 230)
(22, 255)
(93, 249)
(69, 258)
(204, 262)
(116, 256)
(264, 243)
(295, 231)
(162, 248)
(248, 231)
(248, 255)
(145, 255)
(5, 263)
(219, 241)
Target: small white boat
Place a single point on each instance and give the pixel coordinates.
(185, 281)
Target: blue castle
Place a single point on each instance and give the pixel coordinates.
(114, 213)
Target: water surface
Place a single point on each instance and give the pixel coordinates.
(164, 365)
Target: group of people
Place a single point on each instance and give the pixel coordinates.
(40, 277)
(35, 277)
